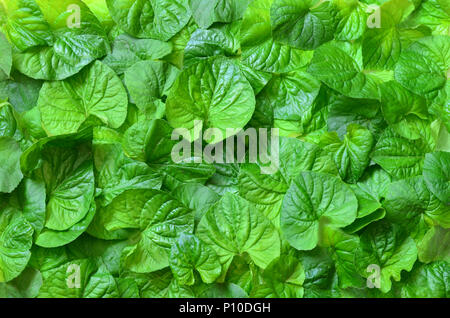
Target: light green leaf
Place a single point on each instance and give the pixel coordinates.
(116, 172)
(422, 67)
(436, 172)
(32, 199)
(16, 238)
(158, 19)
(26, 285)
(149, 141)
(10, 173)
(289, 97)
(343, 249)
(69, 180)
(410, 204)
(353, 20)
(382, 44)
(6, 58)
(207, 12)
(220, 40)
(386, 246)
(351, 155)
(266, 192)
(303, 24)
(344, 111)
(78, 279)
(397, 103)
(399, 156)
(214, 91)
(428, 281)
(23, 92)
(49, 238)
(297, 156)
(196, 197)
(96, 91)
(259, 50)
(47, 46)
(313, 200)
(233, 226)
(127, 51)
(370, 190)
(336, 65)
(187, 254)
(283, 278)
(434, 14)
(148, 81)
(159, 218)
(435, 245)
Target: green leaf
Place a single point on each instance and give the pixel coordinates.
(69, 180)
(23, 91)
(382, 44)
(159, 218)
(160, 284)
(410, 204)
(187, 254)
(435, 245)
(283, 278)
(353, 20)
(185, 172)
(370, 190)
(8, 122)
(399, 156)
(436, 172)
(386, 246)
(313, 200)
(62, 281)
(266, 192)
(127, 51)
(16, 238)
(50, 238)
(218, 94)
(259, 50)
(196, 197)
(116, 172)
(10, 173)
(297, 156)
(319, 271)
(289, 97)
(100, 9)
(351, 155)
(207, 12)
(220, 40)
(96, 91)
(47, 46)
(397, 103)
(226, 290)
(304, 25)
(233, 226)
(422, 67)
(32, 199)
(343, 249)
(148, 81)
(179, 42)
(336, 65)
(158, 19)
(149, 141)
(26, 285)
(428, 281)
(6, 59)
(434, 14)
(344, 111)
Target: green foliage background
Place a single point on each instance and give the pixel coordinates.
(88, 186)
